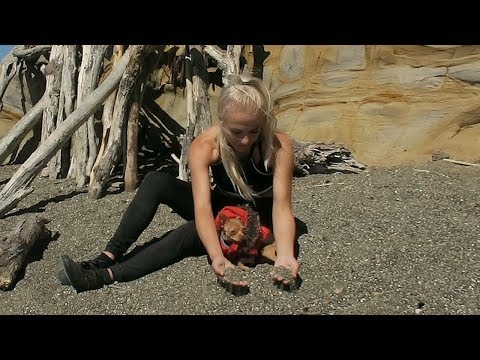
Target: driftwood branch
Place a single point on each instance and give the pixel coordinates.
(52, 99)
(15, 189)
(9, 142)
(188, 137)
(228, 61)
(131, 163)
(458, 162)
(319, 158)
(105, 166)
(31, 53)
(15, 247)
(107, 116)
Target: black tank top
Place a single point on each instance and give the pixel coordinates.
(259, 180)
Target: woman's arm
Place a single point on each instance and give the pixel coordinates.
(200, 156)
(282, 215)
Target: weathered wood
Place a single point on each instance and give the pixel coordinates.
(458, 162)
(201, 103)
(227, 60)
(188, 137)
(15, 189)
(198, 105)
(320, 158)
(15, 247)
(16, 134)
(131, 164)
(105, 166)
(30, 53)
(84, 145)
(52, 99)
(67, 103)
(107, 115)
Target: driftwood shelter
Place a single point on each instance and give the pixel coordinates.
(99, 118)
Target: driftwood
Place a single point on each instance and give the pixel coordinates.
(107, 116)
(52, 98)
(319, 158)
(16, 188)
(198, 105)
(10, 141)
(67, 103)
(201, 103)
(131, 163)
(458, 162)
(84, 149)
(30, 53)
(15, 247)
(227, 60)
(105, 166)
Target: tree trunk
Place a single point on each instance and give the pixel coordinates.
(68, 95)
(187, 138)
(31, 53)
(84, 146)
(201, 99)
(108, 161)
(228, 61)
(15, 247)
(107, 116)
(131, 166)
(52, 98)
(15, 189)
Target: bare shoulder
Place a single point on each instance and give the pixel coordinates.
(204, 147)
(284, 142)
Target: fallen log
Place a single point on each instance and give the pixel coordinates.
(15, 247)
(319, 158)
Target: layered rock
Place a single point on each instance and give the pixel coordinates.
(388, 104)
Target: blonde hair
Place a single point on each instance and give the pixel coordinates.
(246, 93)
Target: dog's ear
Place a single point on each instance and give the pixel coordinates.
(239, 218)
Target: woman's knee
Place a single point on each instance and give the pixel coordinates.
(157, 181)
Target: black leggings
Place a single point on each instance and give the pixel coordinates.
(162, 188)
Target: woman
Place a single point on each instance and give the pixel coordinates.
(250, 162)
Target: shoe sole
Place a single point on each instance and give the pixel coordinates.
(62, 278)
(65, 259)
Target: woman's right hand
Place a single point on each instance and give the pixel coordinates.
(219, 264)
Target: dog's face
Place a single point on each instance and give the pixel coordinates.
(233, 230)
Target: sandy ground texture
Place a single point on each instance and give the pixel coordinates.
(401, 240)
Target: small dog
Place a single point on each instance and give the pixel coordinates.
(244, 241)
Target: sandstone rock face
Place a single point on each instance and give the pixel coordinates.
(23, 91)
(388, 104)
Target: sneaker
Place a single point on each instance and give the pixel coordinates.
(82, 277)
(101, 262)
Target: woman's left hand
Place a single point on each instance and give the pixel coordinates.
(288, 262)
